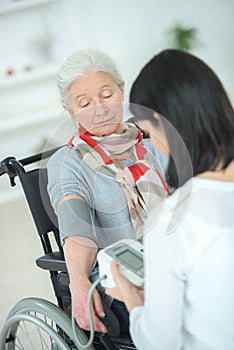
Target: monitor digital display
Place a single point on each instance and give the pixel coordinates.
(131, 259)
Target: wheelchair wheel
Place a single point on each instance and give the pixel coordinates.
(35, 324)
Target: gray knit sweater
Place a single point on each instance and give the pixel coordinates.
(103, 217)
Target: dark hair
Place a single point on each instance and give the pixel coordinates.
(187, 93)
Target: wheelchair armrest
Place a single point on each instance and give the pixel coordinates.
(52, 261)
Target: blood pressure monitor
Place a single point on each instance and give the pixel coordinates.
(129, 255)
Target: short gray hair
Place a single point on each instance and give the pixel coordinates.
(81, 62)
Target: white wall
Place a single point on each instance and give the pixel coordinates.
(130, 31)
(133, 31)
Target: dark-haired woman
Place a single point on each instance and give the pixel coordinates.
(189, 249)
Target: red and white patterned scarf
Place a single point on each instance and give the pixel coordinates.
(142, 183)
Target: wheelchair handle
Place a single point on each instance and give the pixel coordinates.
(5, 166)
(13, 167)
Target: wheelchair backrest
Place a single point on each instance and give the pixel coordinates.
(34, 184)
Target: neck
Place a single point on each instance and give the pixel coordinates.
(160, 144)
(226, 175)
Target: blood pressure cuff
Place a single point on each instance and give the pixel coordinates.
(75, 219)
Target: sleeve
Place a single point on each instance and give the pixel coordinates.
(158, 324)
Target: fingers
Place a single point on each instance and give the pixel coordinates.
(124, 291)
(115, 270)
(99, 312)
(97, 304)
(80, 312)
(119, 279)
(99, 326)
(115, 266)
(85, 324)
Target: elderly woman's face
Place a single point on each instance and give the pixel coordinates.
(95, 100)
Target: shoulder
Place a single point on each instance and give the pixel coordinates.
(156, 157)
(148, 143)
(65, 174)
(63, 160)
(61, 154)
(64, 155)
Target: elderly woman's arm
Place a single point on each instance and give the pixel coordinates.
(80, 254)
(75, 226)
(79, 260)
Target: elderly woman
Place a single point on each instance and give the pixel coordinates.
(189, 252)
(104, 182)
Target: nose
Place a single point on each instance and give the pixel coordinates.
(100, 109)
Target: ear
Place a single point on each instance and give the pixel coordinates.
(157, 117)
(67, 109)
(122, 87)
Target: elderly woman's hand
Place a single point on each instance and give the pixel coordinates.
(79, 307)
(125, 291)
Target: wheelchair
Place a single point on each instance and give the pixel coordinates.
(35, 323)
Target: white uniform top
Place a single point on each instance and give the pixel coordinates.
(189, 288)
